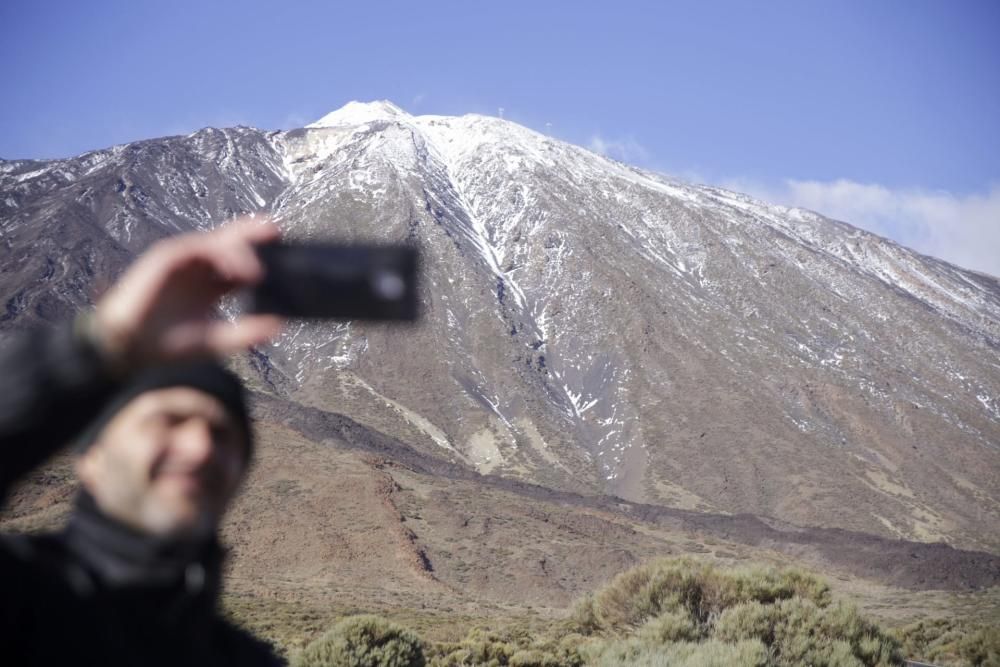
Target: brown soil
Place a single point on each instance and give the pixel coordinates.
(912, 565)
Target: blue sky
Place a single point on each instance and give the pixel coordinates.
(871, 109)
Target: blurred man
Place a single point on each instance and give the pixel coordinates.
(164, 442)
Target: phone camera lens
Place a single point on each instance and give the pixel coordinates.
(388, 285)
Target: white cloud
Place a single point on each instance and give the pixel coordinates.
(625, 150)
(961, 229)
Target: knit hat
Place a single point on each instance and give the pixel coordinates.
(207, 376)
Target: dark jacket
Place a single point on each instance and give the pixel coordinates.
(95, 593)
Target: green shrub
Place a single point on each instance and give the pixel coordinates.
(670, 626)
(685, 612)
(724, 588)
(534, 658)
(800, 632)
(981, 647)
(952, 641)
(491, 648)
(711, 653)
(747, 620)
(703, 591)
(806, 633)
(583, 618)
(667, 612)
(930, 640)
(363, 641)
(561, 651)
(637, 595)
(614, 652)
(480, 647)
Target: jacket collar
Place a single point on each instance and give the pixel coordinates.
(120, 557)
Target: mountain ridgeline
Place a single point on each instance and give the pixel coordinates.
(588, 326)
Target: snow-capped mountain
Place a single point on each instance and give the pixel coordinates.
(588, 325)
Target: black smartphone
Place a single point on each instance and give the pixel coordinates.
(348, 282)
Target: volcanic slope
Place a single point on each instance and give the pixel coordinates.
(588, 326)
(337, 518)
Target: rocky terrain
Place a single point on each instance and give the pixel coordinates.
(612, 364)
(338, 519)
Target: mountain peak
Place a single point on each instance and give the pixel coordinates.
(359, 113)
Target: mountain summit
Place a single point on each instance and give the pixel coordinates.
(590, 327)
(357, 113)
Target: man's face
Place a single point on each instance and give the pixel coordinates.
(167, 463)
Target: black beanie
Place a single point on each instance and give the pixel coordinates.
(207, 376)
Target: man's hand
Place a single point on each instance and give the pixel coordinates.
(164, 307)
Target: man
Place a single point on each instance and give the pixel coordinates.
(162, 428)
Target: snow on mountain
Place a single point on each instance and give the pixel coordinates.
(589, 325)
(360, 113)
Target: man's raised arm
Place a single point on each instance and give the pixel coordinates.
(163, 309)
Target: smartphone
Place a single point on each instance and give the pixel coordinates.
(346, 282)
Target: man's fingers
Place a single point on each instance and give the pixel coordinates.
(235, 260)
(163, 305)
(199, 339)
(252, 230)
(233, 249)
(242, 237)
(229, 250)
(222, 338)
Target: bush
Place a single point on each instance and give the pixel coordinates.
(685, 612)
(682, 585)
(747, 620)
(499, 649)
(981, 647)
(363, 641)
(670, 626)
(668, 612)
(723, 589)
(642, 593)
(797, 631)
(534, 658)
(480, 647)
(711, 653)
(952, 642)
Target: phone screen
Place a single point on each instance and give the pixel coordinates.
(365, 282)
